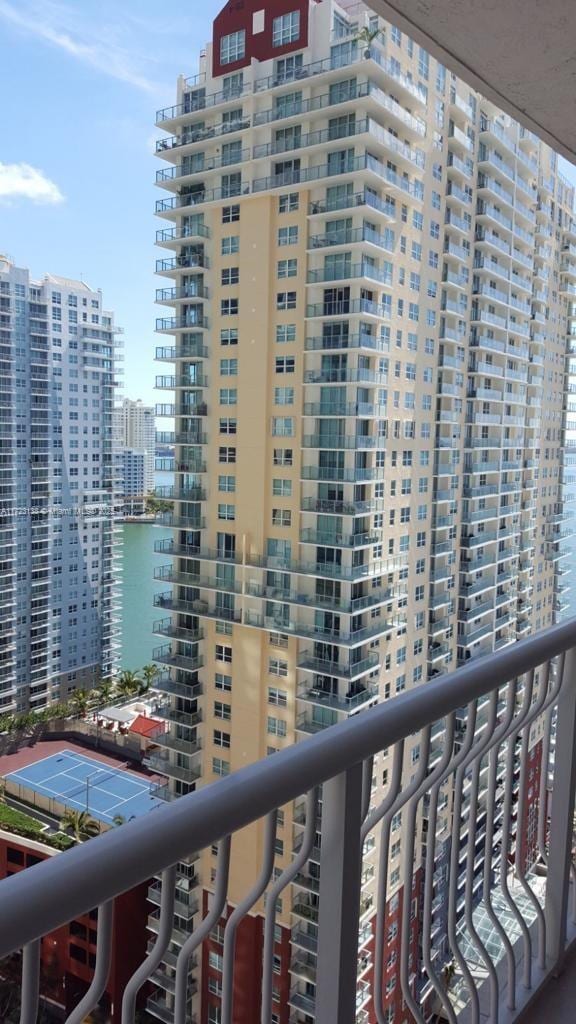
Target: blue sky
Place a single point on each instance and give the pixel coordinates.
(80, 84)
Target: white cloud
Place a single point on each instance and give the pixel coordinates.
(54, 24)
(21, 181)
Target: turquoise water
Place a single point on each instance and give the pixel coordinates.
(138, 589)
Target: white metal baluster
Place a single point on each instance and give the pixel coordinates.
(157, 952)
(370, 821)
(487, 884)
(471, 856)
(102, 968)
(466, 755)
(30, 993)
(506, 829)
(339, 905)
(431, 780)
(535, 712)
(240, 912)
(403, 797)
(279, 885)
(202, 931)
(562, 815)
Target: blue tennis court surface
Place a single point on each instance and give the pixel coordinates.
(84, 784)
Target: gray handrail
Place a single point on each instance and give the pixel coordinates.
(91, 874)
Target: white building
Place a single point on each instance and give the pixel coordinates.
(58, 626)
(134, 429)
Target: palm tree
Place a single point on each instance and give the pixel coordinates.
(79, 701)
(80, 824)
(105, 691)
(118, 819)
(128, 683)
(149, 673)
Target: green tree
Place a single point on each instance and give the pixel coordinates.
(366, 37)
(105, 691)
(79, 701)
(128, 683)
(80, 824)
(149, 673)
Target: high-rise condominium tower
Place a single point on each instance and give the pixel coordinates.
(367, 267)
(134, 428)
(58, 628)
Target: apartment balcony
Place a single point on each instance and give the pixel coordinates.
(526, 897)
(350, 236)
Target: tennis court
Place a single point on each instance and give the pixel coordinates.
(70, 780)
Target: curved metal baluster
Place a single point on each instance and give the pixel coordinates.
(434, 777)
(102, 968)
(279, 885)
(470, 858)
(520, 872)
(453, 764)
(524, 719)
(393, 790)
(489, 841)
(367, 772)
(30, 995)
(543, 791)
(154, 958)
(240, 912)
(473, 744)
(506, 834)
(203, 930)
(393, 807)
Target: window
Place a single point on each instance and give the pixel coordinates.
(286, 300)
(226, 454)
(228, 425)
(229, 367)
(285, 364)
(227, 483)
(277, 697)
(288, 236)
(282, 488)
(277, 667)
(230, 214)
(229, 336)
(283, 456)
(286, 29)
(281, 517)
(285, 333)
(221, 739)
(230, 275)
(282, 426)
(288, 203)
(284, 396)
(229, 307)
(223, 682)
(230, 245)
(228, 396)
(233, 47)
(223, 653)
(287, 268)
(222, 710)
(276, 727)
(227, 512)
(220, 767)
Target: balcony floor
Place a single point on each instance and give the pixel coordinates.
(557, 999)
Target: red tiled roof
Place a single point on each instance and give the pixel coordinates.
(145, 726)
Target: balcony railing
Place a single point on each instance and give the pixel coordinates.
(508, 889)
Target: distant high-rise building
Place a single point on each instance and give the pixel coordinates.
(370, 270)
(59, 627)
(134, 428)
